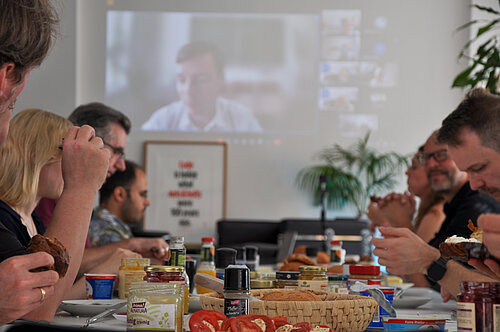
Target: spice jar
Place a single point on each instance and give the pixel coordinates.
(287, 279)
(149, 304)
(337, 254)
(475, 305)
(313, 277)
(131, 270)
(367, 274)
(168, 274)
(236, 290)
(338, 284)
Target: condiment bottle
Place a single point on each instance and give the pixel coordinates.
(207, 264)
(338, 284)
(149, 303)
(131, 270)
(337, 254)
(169, 274)
(223, 258)
(287, 279)
(313, 277)
(367, 274)
(252, 257)
(474, 306)
(496, 307)
(241, 256)
(236, 290)
(177, 252)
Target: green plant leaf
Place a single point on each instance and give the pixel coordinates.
(463, 79)
(486, 9)
(486, 28)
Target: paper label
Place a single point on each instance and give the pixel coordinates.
(466, 317)
(144, 316)
(314, 284)
(496, 317)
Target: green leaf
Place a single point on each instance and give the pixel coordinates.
(486, 28)
(463, 78)
(486, 9)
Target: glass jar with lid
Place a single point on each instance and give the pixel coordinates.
(131, 270)
(338, 284)
(367, 274)
(313, 277)
(287, 279)
(475, 306)
(149, 303)
(261, 284)
(168, 274)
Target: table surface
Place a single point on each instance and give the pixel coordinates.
(435, 306)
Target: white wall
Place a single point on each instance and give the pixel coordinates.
(260, 180)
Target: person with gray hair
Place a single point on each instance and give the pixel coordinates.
(200, 82)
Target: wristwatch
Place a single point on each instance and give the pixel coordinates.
(436, 271)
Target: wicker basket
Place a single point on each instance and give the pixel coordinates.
(341, 312)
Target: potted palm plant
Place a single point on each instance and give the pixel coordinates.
(351, 175)
(484, 67)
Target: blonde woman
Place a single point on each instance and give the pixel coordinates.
(30, 168)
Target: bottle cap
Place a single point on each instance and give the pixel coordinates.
(336, 243)
(241, 255)
(364, 269)
(207, 239)
(224, 257)
(237, 277)
(251, 252)
(178, 239)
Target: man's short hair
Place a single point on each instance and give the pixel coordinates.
(99, 116)
(27, 32)
(123, 179)
(196, 48)
(478, 112)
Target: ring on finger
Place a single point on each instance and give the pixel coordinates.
(43, 294)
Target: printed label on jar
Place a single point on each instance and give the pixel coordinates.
(466, 317)
(314, 284)
(144, 316)
(496, 317)
(235, 307)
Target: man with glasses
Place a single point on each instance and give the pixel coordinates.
(404, 253)
(123, 199)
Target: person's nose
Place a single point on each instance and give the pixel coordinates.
(120, 165)
(147, 202)
(475, 181)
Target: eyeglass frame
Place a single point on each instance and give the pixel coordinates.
(116, 150)
(439, 156)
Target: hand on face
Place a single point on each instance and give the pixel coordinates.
(490, 224)
(85, 160)
(403, 252)
(20, 290)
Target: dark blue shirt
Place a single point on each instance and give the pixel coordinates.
(14, 236)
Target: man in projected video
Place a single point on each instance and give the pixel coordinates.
(200, 82)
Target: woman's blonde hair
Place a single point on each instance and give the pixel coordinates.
(34, 140)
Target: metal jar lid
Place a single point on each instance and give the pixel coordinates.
(163, 268)
(261, 284)
(312, 268)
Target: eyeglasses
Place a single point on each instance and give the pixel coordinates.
(439, 156)
(116, 150)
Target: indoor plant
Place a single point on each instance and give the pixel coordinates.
(351, 175)
(484, 68)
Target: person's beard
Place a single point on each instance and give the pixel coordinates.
(130, 214)
(444, 187)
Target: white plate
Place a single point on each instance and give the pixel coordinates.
(89, 307)
(410, 302)
(121, 316)
(422, 292)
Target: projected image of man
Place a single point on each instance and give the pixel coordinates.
(200, 82)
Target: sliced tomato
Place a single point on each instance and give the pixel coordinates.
(302, 327)
(244, 325)
(200, 318)
(226, 325)
(279, 321)
(268, 321)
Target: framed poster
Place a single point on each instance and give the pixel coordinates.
(186, 186)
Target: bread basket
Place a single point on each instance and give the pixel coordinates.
(341, 312)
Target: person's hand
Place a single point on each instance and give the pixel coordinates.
(488, 267)
(490, 224)
(149, 247)
(20, 289)
(445, 295)
(403, 252)
(85, 161)
(398, 212)
(113, 261)
(376, 217)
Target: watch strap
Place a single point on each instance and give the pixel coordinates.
(437, 269)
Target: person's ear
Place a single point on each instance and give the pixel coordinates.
(6, 77)
(120, 194)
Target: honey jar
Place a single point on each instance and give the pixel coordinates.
(168, 274)
(131, 270)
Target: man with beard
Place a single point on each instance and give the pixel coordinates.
(122, 202)
(404, 253)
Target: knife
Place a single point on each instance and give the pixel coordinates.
(105, 313)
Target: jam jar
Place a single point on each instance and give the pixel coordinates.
(170, 274)
(475, 305)
(313, 277)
